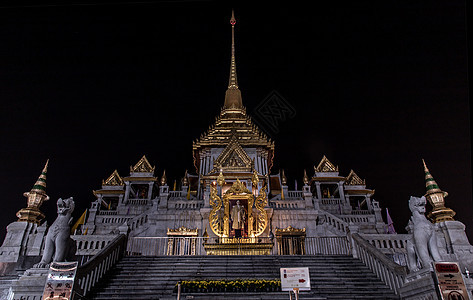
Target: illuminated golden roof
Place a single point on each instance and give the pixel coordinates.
(326, 166)
(354, 179)
(113, 180)
(142, 166)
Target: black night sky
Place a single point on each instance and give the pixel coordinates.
(376, 87)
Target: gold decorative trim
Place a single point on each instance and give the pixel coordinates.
(353, 179)
(183, 231)
(233, 158)
(326, 166)
(113, 180)
(290, 231)
(237, 188)
(142, 166)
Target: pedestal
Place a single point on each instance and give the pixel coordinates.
(31, 284)
(419, 285)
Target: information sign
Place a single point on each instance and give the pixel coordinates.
(450, 281)
(295, 278)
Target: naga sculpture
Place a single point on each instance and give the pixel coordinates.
(58, 244)
(423, 246)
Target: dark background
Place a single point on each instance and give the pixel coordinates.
(376, 86)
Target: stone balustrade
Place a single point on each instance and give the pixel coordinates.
(107, 212)
(91, 244)
(185, 204)
(90, 273)
(138, 201)
(356, 219)
(295, 194)
(113, 219)
(335, 222)
(389, 272)
(331, 201)
(287, 204)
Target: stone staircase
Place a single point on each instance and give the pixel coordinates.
(331, 277)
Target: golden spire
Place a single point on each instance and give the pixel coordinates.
(164, 179)
(305, 179)
(221, 178)
(233, 94)
(36, 197)
(283, 178)
(436, 197)
(185, 180)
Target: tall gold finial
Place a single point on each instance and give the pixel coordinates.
(164, 179)
(305, 179)
(436, 197)
(232, 82)
(36, 197)
(233, 94)
(185, 180)
(283, 178)
(220, 178)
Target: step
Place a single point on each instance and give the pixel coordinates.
(332, 277)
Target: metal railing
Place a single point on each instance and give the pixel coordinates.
(389, 272)
(93, 270)
(190, 246)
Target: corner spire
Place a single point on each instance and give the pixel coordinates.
(36, 197)
(233, 94)
(436, 197)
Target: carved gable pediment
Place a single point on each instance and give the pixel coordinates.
(142, 166)
(326, 166)
(354, 179)
(113, 180)
(233, 158)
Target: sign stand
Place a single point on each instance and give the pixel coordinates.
(450, 284)
(295, 280)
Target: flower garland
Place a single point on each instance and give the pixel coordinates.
(224, 285)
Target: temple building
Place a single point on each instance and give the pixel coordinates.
(233, 162)
(232, 202)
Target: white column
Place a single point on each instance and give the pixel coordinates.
(150, 189)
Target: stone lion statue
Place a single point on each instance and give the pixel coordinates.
(58, 244)
(423, 246)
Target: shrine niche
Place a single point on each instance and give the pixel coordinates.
(290, 241)
(179, 242)
(237, 218)
(238, 214)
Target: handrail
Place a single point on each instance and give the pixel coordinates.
(138, 221)
(335, 222)
(93, 270)
(389, 272)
